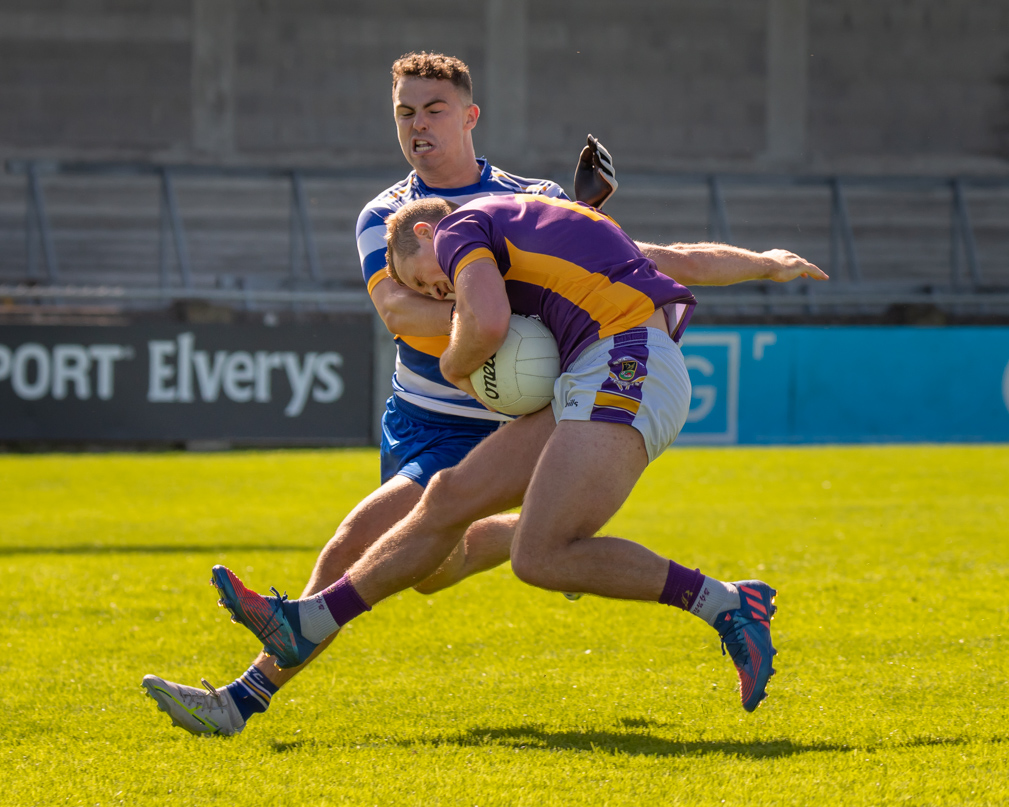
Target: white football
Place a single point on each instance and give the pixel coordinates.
(519, 378)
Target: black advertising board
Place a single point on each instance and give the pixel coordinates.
(297, 384)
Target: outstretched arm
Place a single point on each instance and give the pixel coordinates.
(723, 265)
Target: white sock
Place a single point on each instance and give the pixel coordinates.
(317, 622)
(714, 598)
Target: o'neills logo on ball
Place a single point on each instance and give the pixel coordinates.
(490, 379)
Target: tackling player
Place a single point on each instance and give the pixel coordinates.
(430, 424)
(621, 400)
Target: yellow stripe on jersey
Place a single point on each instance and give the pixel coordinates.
(377, 278)
(617, 402)
(431, 345)
(475, 255)
(615, 306)
(574, 207)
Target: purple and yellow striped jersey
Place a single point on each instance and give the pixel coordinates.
(564, 262)
(418, 378)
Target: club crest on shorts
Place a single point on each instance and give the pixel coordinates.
(627, 372)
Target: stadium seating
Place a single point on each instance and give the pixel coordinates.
(239, 229)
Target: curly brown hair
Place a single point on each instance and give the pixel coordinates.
(436, 66)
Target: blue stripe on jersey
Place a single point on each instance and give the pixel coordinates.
(424, 382)
(413, 382)
(422, 363)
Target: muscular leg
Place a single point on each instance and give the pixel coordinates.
(363, 525)
(492, 478)
(486, 544)
(585, 474)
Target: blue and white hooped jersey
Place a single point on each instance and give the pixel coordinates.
(418, 378)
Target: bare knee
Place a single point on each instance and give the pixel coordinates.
(444, 500)
(428, 587)
(536, 569)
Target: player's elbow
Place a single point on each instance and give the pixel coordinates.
(393, 322)
(491, 327)
(497, 331)
(674, 263)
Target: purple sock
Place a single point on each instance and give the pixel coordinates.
(343, 601)
(682, 586)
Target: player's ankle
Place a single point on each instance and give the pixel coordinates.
(715, 598)
(323, 614)
(251, 692)
(702, 596)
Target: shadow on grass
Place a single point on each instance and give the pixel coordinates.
(644, 744)
(283, 748)
(106, 549)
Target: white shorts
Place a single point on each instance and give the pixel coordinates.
(637, 377)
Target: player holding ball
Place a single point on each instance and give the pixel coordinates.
(620, 401)
(431, 422)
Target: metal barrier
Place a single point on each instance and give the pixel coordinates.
(357, 300)
(963, 246)
(172, 236)
(350, 300)
(964, 287)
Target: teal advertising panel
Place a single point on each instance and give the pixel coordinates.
(312, 384)
(847, 385)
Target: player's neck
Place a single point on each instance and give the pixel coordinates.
(459, 175)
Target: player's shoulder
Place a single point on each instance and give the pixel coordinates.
(508, 182)
(388, 201)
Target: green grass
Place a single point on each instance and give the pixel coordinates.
(893, 684)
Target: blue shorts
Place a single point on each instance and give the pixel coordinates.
(417, 443)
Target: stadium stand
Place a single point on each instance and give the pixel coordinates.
(729, 126)
(268, 233)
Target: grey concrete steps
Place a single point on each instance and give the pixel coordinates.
(106, 229)
(900, 236)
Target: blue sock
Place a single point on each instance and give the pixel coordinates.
(251, 692)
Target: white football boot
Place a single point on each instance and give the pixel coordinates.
(198, 711)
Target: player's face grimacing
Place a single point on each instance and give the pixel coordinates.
(432, 117)
(421, 271)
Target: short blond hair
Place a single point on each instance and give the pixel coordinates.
(399, 237)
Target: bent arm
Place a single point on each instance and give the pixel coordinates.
(483, 313)
(408, 313)
(723, 265)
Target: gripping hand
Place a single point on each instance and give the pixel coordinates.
(595, 179)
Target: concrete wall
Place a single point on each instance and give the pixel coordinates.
(111, 76)
(665, 81)
(929, 77)
(879, 84)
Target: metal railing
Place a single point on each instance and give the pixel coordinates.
(172, 234)
(353, 300)
(350, 300)
(963, 245)
(844, 264)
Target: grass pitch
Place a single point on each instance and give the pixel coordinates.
(891, 565)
